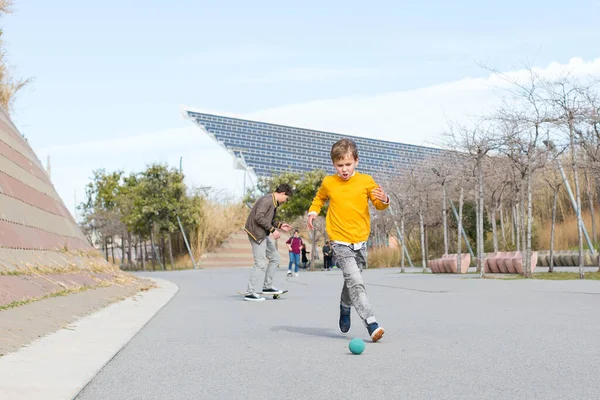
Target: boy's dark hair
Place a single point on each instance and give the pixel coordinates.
(343, 147)
(284, 188)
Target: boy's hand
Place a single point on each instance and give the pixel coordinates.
(379, 193)
(286, 227)
(276, 234)
(309, 224)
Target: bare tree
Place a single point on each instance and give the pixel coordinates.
(522, 117)
(590, 199)
(570, 100)
(461, 179)
(400, 210)
(476, 140)
(417, 189)
(443, 168)
(555, 182)
(497, 181)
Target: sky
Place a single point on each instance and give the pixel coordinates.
(109, 80)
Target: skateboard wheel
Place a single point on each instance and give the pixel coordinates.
(275, 296)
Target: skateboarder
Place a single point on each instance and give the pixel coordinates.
(262, 229)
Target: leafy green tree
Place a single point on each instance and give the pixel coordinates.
(161, 196)
(305, 188)
(101, 214)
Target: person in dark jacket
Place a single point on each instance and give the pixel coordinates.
(305, 261)
(262, 229)
(327, 256)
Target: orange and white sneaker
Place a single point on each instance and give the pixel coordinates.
(375, 331)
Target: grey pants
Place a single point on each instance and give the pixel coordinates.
(263, 252)
(352, 263)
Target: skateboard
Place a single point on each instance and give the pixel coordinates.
(275, 295)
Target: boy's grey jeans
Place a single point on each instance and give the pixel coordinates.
(263, 253)
(352, 263)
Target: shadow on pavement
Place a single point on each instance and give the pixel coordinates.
(303, 330)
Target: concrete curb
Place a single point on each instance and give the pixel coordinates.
(58, 366)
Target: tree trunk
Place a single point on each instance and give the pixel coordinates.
(105, 247)
(590, 196)
(422, 229)
(445, 217)
(135, 254)
(481, 230)
(143, 253)
(402, 270)
(554, 201)
(170, 251)
(153, 249)
(517, 230)
(527, 262)
(129, 249)
(122, 251)
(426, 242)
(460, 227)
(313, 245)
(477, 232)
(502, 227)
(112, 248)
(523, 214)
(577, 196)
(163, 253)
(494, 230)
(513, 230)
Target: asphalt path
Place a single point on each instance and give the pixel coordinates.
(447, 337)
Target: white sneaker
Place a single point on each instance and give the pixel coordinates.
(296, 274)
(272, 290)
(290, 273)
(253, 297)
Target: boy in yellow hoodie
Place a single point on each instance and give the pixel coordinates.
(348, 226)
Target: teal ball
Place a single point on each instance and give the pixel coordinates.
(356, 346)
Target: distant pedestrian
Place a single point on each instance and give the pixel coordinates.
(327, 256)
(305, 261)
(294, 244)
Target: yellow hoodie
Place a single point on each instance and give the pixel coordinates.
(348, 219)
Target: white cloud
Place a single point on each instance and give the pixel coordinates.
(414, 116)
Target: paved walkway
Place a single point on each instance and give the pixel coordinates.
(58, 365)
(448, 337)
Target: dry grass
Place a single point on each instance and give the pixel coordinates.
(65, 292)
(89, 265)
(566, 276)
(565, 232)
(554, 276)
(183, 262)
(216, 223)
(383, 257)
(8, 85)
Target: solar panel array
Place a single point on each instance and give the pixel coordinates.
(272, 149)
